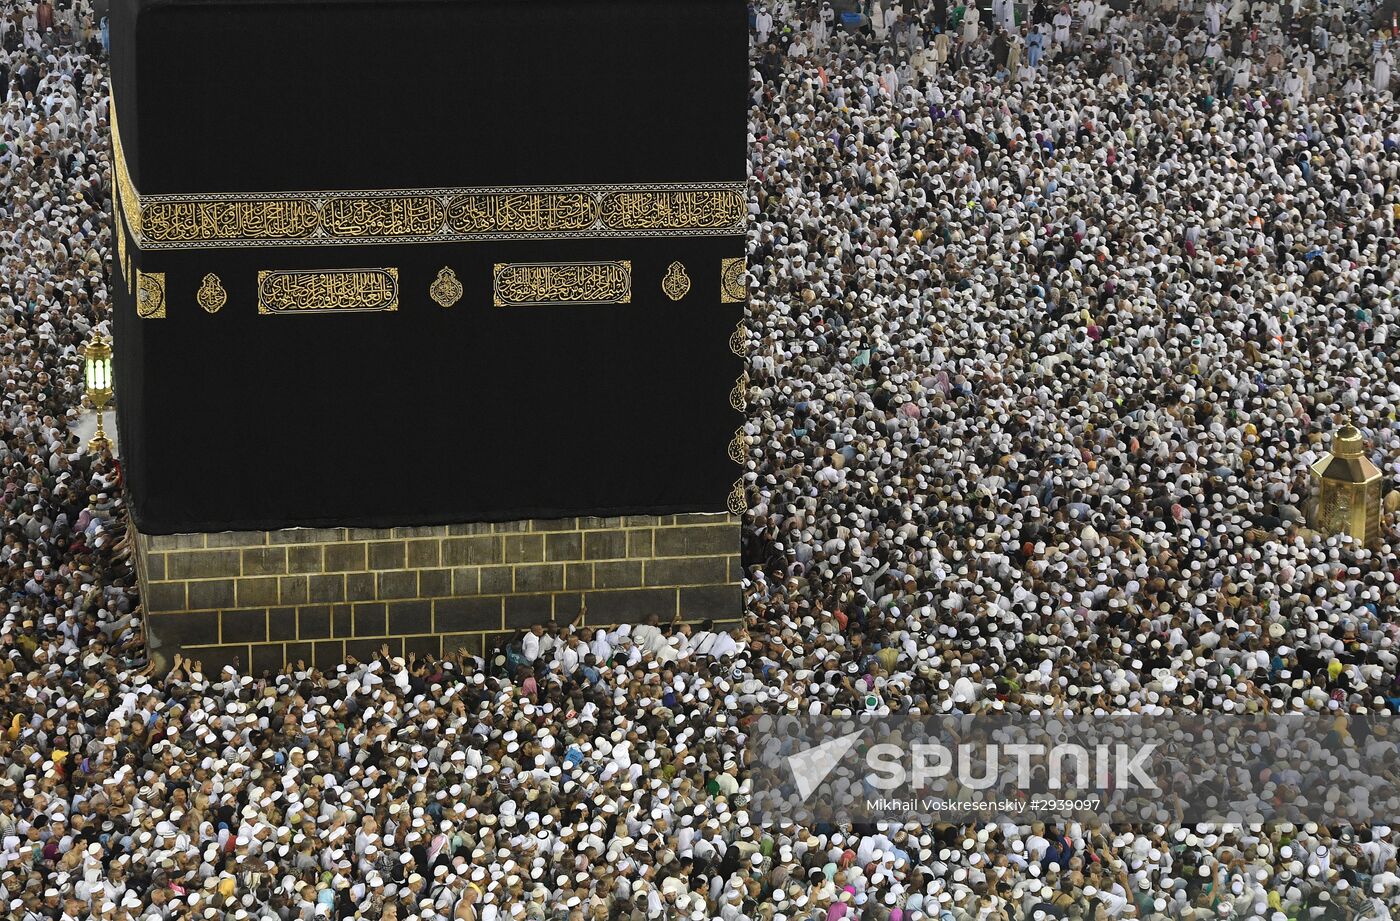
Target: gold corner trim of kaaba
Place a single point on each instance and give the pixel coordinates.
(731, 280)
(327, 291)
(150, 295)
(550, 284)
(127, 197)
(121, 249)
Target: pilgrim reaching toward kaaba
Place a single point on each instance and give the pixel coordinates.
(1063, 382)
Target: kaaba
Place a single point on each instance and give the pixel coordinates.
(390, 265)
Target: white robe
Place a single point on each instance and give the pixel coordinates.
(971, 24)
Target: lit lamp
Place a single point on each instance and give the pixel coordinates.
(97, 361)
(1348, 490)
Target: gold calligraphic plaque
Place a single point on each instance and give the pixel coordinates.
(150, 295)
(211, 294)
(739, 447)
(676, 283)
(301, 291)
(739, 396)
(739, 341)
(446, 290)
(538, 284)
(731, 280)
(738, 498)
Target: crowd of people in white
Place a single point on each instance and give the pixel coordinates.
(1052, 307)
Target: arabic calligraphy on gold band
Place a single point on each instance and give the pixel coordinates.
(223, 221)
(437, 215)
(477, 213)
(300, 291)
(674, 209)
(177, 221)
(538, 284)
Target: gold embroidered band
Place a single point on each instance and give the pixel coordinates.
(126, 192)
(123, 267)
(424, 215)
(538, 284)
(438, 215)
(330, 291)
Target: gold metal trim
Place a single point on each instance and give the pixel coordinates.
(676, 284)
(213, 222)
(322, 291)
(150, 295)
(731, 280)
(675, 208)
(541, 284)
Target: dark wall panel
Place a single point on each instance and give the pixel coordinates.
(425, 414)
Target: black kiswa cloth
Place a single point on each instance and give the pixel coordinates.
(302, 189)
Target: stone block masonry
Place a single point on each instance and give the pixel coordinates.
(265, 598)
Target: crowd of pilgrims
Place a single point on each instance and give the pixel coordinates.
(1052, 308)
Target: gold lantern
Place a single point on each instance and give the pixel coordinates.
(97, 372)
(1348, 490)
